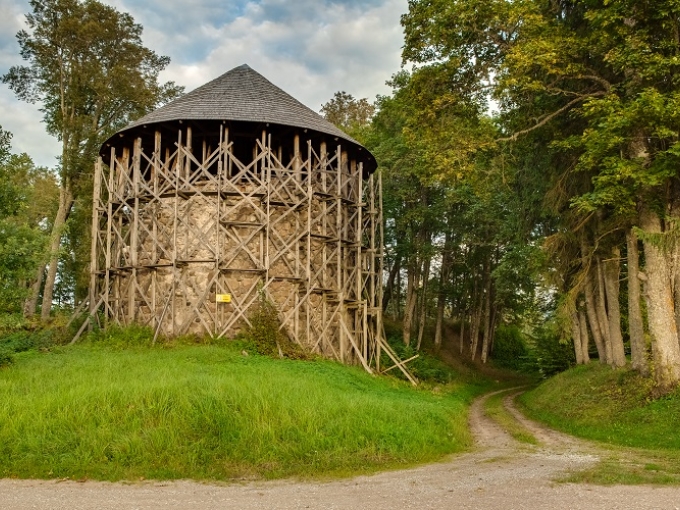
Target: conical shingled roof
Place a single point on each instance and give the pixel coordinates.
(243, 94)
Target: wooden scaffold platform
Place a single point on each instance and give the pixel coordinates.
(234, 191)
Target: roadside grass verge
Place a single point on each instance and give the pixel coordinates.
(631, 466)
(494, 409)
(615, 407)
(123, 410)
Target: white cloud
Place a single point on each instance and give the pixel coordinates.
(309, 48)
(333, 47)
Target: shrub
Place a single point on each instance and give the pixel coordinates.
(6, 357)
(23, 340)
(510, 349)
(266, 334)
(425, 367)
(122, 336)
(551, 353)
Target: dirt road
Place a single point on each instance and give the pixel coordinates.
(500, 474)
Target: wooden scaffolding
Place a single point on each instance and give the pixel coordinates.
(192, 224)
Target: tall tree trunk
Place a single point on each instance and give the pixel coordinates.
(601, 308)
(585, 341)
(660, 305)
(410, 305)
(462, 332)
(592, 317)
(486, 339)
(444, 274)
(638, 349)
(65, 203)
(474, 331)
(576, 336)
(611, 272)
(475, 317)
(398, 309)
(675, 256)
(422, 315)
(494, 324)
(439, 325)
(389, 287)
(31, 304)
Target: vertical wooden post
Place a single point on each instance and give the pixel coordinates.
(265, 162)
(218, 230)
(155, 166)
(267, 177)
(123, 172)
(371, 259)
(189, 149)
(308, 263)
(356, 176)
(380, 255)
(296, 157)
(298, 265)
(359, 329)
(109, 227)
(175, 276)
(339, 267)
(94, 262)
(134, 232)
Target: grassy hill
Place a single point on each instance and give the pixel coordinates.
(615, 406)
(111, 411)
(620, 408)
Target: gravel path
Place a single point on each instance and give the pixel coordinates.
(500, 475)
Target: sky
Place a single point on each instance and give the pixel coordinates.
(309, 48)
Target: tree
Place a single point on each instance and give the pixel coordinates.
(348, 113)
(598, 81)
(90, 72)
(453, 223)
(22, 239)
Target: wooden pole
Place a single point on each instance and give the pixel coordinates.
(109, 227)
(296, 158)
(308, 262)
(175, 269)
(155, 167)
(134, 232)
(379, 327)
(94, 262)
(339, 275)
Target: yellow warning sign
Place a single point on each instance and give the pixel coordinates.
(223, 298)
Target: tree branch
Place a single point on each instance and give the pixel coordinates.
(550, 117)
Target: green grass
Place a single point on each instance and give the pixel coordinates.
(629, 466)
(110, 412)
(615, 407)
(494, 409)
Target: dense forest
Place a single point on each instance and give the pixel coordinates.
(529, 154)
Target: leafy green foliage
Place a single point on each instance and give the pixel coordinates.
(426, 368)
(22, 340)
(266, 334)
(510, 349)
(348, 113)
(22, 239)
(552, 354)
(587, 135)
(121, 337)
(86, 65)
